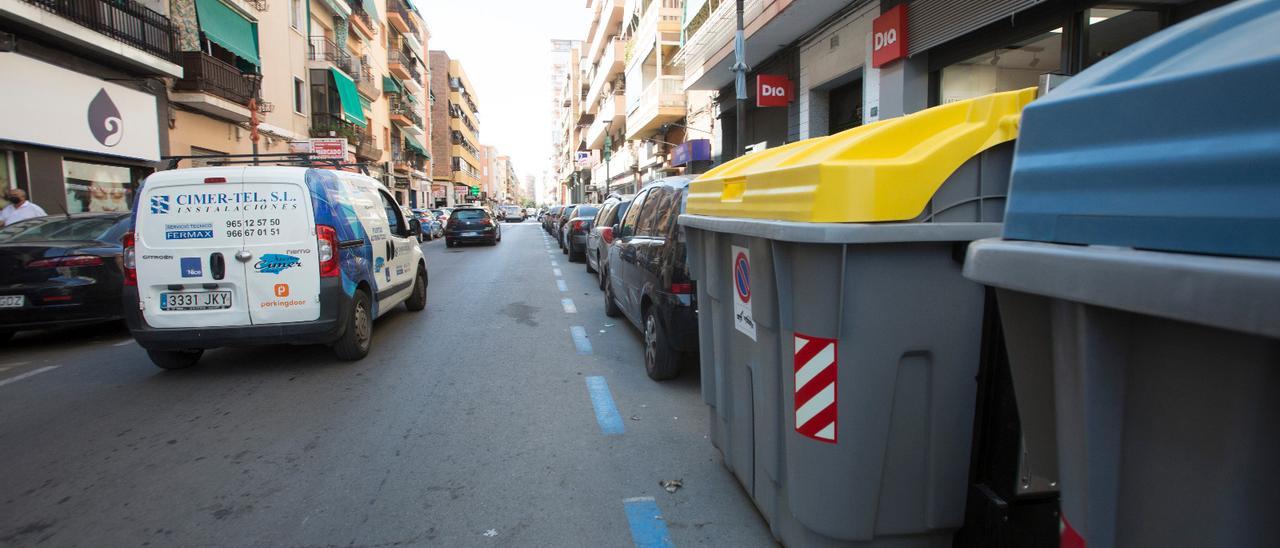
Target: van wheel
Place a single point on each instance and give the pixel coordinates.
(175, 359)
(661, 362)
(356, 340)
(418, 299)
(610, 307)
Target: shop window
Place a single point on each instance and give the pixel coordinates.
(1111, 30)
(6, 172)
(97, 187)
(1015, 66)
(844, 107)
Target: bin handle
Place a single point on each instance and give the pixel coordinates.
(733, 189)
(953, 205)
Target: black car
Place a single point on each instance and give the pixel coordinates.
(575, 231)
(558, 228)
(471, 224)
(648, 280)
(61, 270)
(601, 235)
(549, 218)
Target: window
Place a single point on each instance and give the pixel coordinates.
(6, 175)
(394, 218)
(296, 13)
(1110, 30)
(97, 187)
(299, 95)
(470, 214)
(1015, 66)
(659, 201)
(628, 227)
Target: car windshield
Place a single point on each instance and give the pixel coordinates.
(586, 211)
(470, 214)
(54, 229)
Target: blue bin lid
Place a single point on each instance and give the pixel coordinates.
(1170, 144)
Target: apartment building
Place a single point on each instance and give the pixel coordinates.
(455, 122)
(558, 179)
(84, 99)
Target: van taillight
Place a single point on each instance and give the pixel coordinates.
(129, 259)
(327, 246)
(682, 288)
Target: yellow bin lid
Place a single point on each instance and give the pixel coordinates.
(883, 171)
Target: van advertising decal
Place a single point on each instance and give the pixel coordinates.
(275, 263)
(214, 202)
(188, 231)
(191, 267)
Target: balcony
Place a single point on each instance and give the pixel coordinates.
(660, 102)
(360, 20)
(405, 160)
(398, 17)
(402, 66)
(366, 82)
(124, 31)
(213, 86)
(606, 16)
(606, 71)
(366, 147)
(611, 115)
(325, 52)
(404, 114)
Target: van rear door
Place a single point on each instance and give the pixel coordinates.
(188, 275)
(279, 233)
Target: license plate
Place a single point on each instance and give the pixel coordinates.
(470, 233)
(12, 301)
(195, 300)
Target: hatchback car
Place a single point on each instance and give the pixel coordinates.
(472, 225)
(648, 280)
(575, 231)
(549, 219)
(601, 235)
(61, 270)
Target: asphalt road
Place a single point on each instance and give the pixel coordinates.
(469, 424)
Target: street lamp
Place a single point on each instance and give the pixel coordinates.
(255, 80)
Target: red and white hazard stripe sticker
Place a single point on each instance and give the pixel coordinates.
(816, 394)
(1067, 536)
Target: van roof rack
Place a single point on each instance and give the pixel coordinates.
(301, 159)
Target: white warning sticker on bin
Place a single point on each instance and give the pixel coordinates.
(742, 317)
(816, 382)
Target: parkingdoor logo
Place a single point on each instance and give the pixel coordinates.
(159, 204)
(282, 290)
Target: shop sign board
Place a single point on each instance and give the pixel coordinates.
(691, 151)
(889, 36)
(773, 90)
(329, 149)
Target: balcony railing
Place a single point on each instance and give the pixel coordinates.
(397, 57)
(125, 20)
(322, 123)
(202, 72)
(324, 49)
(366, 146)
(366, 83)
(396, 9)
(400, 107)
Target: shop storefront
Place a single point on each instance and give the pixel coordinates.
(73, 141)
(766, 126)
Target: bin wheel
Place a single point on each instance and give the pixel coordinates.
(610, 306)
(661, 361)
(175, 359)
(357, 339)
(418, 299)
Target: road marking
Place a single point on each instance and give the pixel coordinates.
(648, 529)
(580, 339)
(560, 284)
(606, 412)
(556, 271)
(12, 380)
(13, 364)
(124, 342)
(569, 308)
(555, 263)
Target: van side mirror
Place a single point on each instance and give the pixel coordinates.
(415, 227)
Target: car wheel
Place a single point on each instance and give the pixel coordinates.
(356, 340)
(577, 256)
(175, 359)
(448, 242)
(418, 299)
(610, 306)
(588, 263)
(601, 273)
(661, 362)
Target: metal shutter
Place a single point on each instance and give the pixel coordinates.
(932, 22)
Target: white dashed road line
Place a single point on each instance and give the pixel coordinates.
(28, 374)
(569, 307)
(556, 271)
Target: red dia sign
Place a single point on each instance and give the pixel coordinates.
(816, 380)
(889, 36)
(773, 90)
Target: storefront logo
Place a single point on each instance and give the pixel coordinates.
(104, 120)
(191, 267)
(159, 205)
(772, 90)
(274, 263)
(889, 36)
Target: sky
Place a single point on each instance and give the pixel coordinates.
(505, 49)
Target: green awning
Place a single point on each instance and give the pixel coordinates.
(414, 145)
(390, 85)
(351, 110)
(371, 8)
(227, 28)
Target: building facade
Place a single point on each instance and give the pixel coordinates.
(455, 123)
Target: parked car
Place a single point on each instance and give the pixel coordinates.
(61, 270)
(601, 235)
(512, 213)
(432, 228)
(530, 212)
(565, 215)
(472, 224)
(648, 280)
(575, 230)
(293, 263)
(549, 218)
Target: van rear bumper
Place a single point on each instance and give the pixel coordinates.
(335, 309)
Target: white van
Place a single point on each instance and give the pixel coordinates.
(239, 256)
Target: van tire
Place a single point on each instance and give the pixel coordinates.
(418, 299)
(358, 337)
(175, 359)
(661, 362)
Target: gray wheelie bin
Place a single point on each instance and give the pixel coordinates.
(839, 339)
(1138, 280)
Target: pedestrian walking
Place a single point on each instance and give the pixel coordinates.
(19, 208)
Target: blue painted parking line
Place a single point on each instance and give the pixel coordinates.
(606, 412)
(560, 284)
(648, 529)
(580, 339)
(569, 307)
(557, 272)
